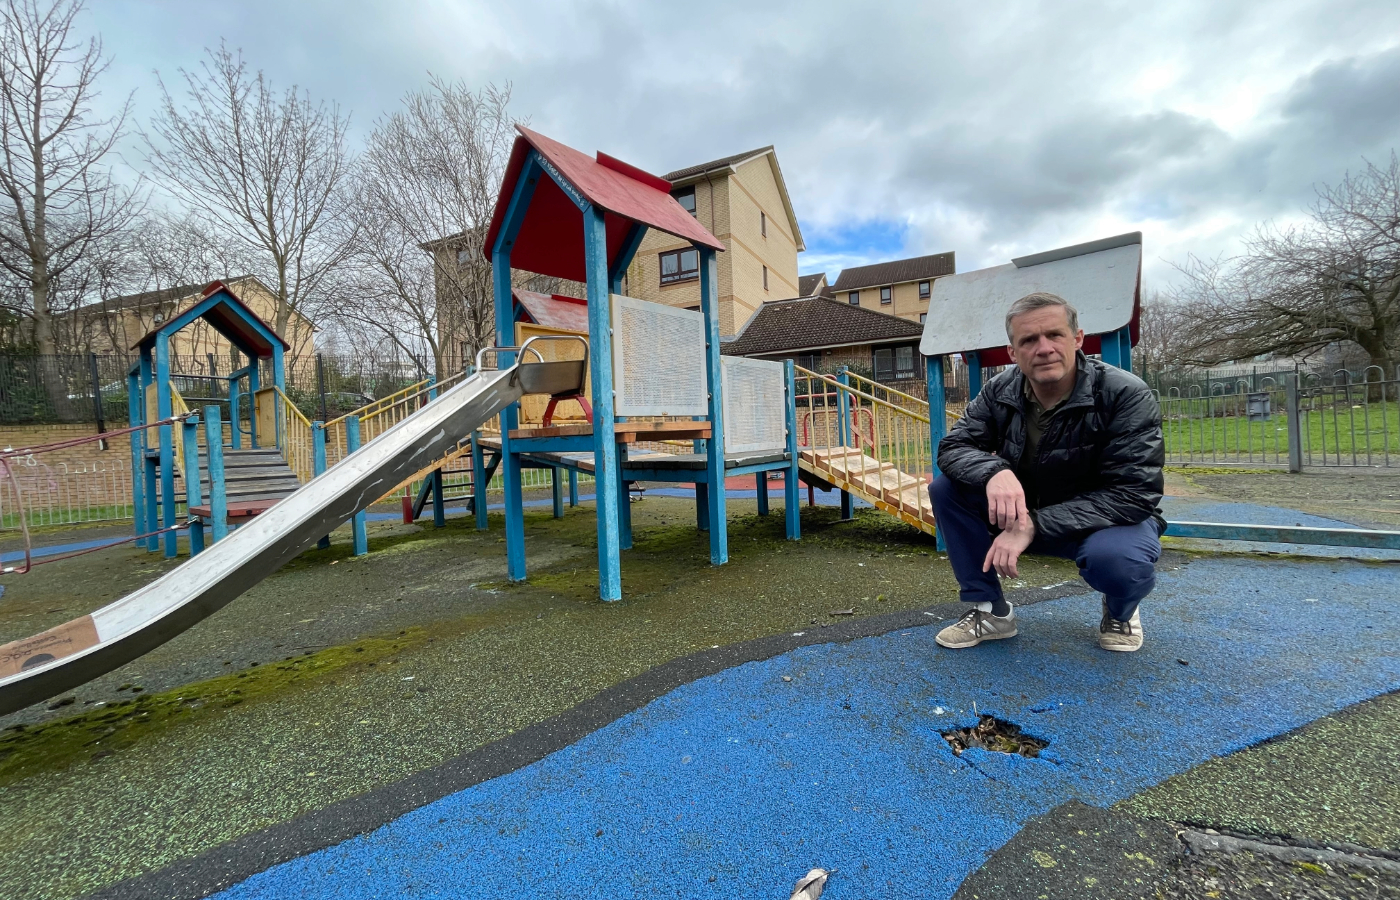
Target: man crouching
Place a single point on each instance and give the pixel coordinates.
(1060, 456)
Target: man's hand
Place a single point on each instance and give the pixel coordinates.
(1008, 547)
(1006, 500)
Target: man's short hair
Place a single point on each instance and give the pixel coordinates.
(1040, 300)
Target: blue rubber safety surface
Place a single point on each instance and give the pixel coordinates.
(736, 784)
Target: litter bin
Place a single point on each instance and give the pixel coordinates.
(1257, 406)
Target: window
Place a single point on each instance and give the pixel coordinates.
(686, 198)
(463, 257)
(923, 290)
(884, 364)
(765, 278)
(886, 295)
(809, 361)
(763, 223)
(853, 298)
(680, 265)
(923, 317)
(904, 362)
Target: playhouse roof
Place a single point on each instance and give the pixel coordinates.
(554, 310)
(550, 241)
(227, 314)
(1101, 279)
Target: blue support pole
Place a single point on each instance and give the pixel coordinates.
(193, 495)
(556, 486)
(439, 503)
(279, 378)
(600, 358)
(760, 483)
(167, 445)
(974, 374)
(138, 468)
(937, 419)
(357, 524)
(510, 420)
(573, 487)
(254, 382)
(150, 469)
(235, 399)
(478, 482)
(843, 405)
(218, 494)
(624, 503)
(792, 505)
(318, 465)
(714, 458)
(1125, 347)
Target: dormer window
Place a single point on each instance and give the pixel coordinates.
(923, 290)
(686, 198)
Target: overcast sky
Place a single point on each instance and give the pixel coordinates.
(990, 129)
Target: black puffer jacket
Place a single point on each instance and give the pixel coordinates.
(1100, 458)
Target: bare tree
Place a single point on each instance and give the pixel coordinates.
(1160, 334)
(425, 189)
(1300, 289)
(63, 204)
(259, 168)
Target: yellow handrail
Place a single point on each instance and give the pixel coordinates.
(294, 437)
(381, 415)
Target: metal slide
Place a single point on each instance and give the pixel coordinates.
(75, 652)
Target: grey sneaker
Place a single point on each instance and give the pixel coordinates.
(1124, 637)
(977, 625)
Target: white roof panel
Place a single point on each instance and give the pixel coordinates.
(968, 311)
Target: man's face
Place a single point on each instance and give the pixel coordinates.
(1043, 346)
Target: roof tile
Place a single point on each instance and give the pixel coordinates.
(895, 272)
(808, 323)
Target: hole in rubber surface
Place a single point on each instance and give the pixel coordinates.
(995, 735)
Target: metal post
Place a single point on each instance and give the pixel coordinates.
(218, 494)
(760, 481)
(556, 485)
(167, 445)
(478, 482)
(439, 506)
(974, 375)
(792, 511)
(843, 406)
(97, 399)
(357, 524)
(234, 399)
(714, 459)
(1295, 425)
(1125, 348)
(149, 468)
(321, 385)
(702, 506)
(937, 420)
(318, 465)
(138, 468)
(254, 382)
(573, 487)
(193, 495)
(624, 502)
(600, 361)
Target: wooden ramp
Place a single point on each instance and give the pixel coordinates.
(902, 495)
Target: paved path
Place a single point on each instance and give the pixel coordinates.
(734, 785)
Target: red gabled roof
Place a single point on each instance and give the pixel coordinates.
(550, 241)
(554, 310)
(242, 330)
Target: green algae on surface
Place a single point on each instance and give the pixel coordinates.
(116, 727)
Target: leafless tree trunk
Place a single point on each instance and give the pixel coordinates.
(1297, 290)
(62, 202)
(258, 168)
(425, 189)
(1160, 329)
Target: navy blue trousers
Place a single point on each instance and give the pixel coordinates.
(1116, 561)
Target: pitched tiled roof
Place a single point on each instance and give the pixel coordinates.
(726, 162)
(894, 272)
(809, 323)
(807, 284)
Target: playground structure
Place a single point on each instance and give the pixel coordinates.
(622, 390)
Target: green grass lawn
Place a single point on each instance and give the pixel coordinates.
(1342, 431)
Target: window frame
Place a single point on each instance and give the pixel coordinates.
(682, 274)
(853, 298)
(763, 223)
(688, 191)
(925, 290)
(881, 374)
(765, 278)
(913, 370)
(887, 295)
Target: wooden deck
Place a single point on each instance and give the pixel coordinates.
(881, 484)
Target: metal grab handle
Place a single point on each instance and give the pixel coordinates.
(526, 347)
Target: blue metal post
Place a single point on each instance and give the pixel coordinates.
(937, 419)
(974, 374)
(218, 494)
(478, 482)
(624, 503)
(254, 382)
(843, 405)
(1125, 347)
(600, 360)
(714, 458)
(138, 468)
(792, 505)
(318, 464)
(439, 505)
(573, 487)
(556, 486)
(193, 495)
(760, 483)
(150, 468)
(702, 506)
(167, 445)
(235, 399)
(510, 420)
(357, 524)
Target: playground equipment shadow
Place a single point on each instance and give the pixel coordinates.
(477, 659)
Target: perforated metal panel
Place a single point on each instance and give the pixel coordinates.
(753, 405)
(658, 359)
